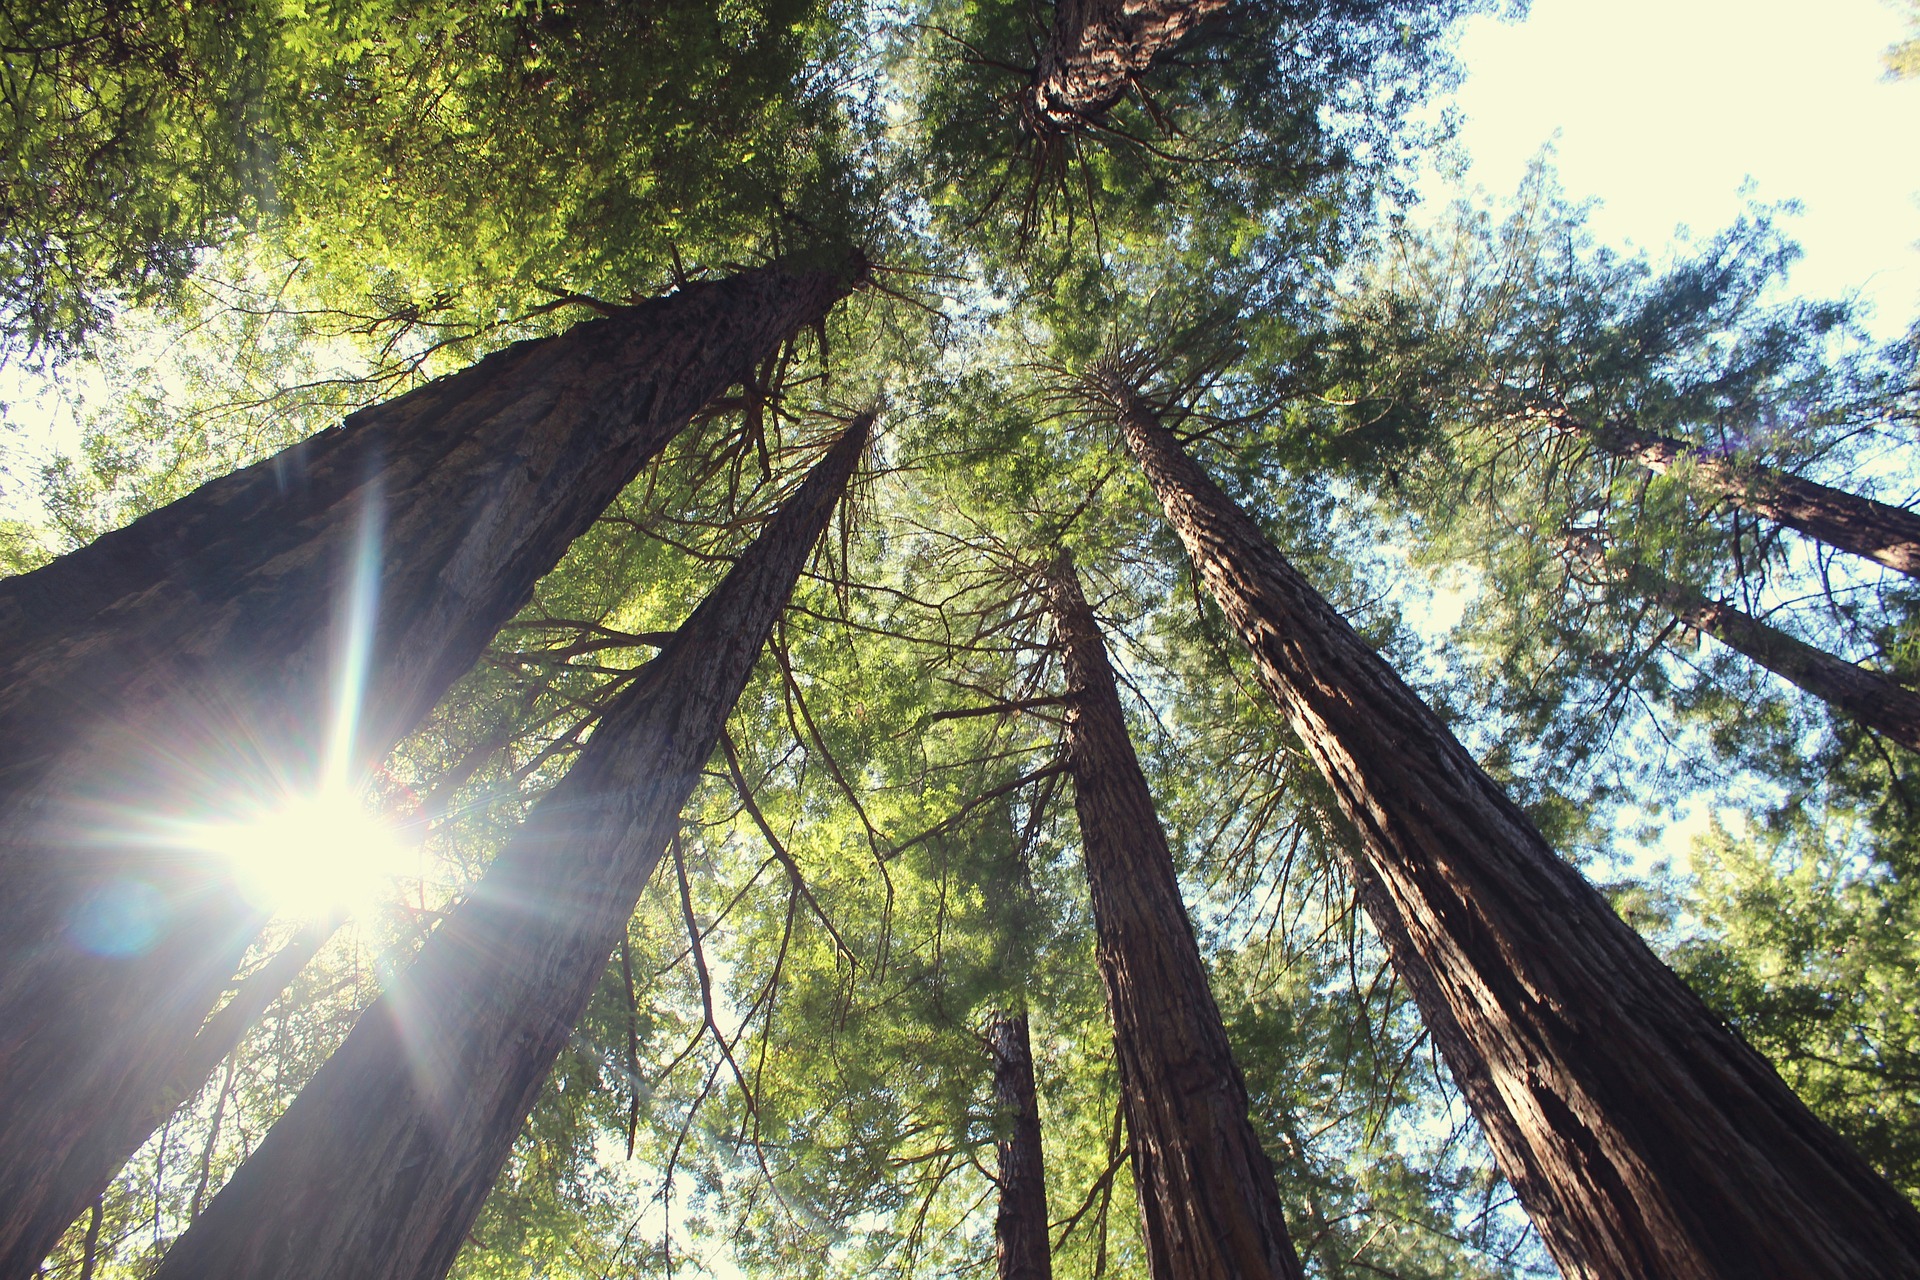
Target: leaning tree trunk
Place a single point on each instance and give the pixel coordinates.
(1020, 1223)
(221, 1036)
(1861, 526)
(1646, 1140)
(1095, 51)
(186, 662)
(1207, 1193)
(253, 995)
(1875, 700)
(379, 1167)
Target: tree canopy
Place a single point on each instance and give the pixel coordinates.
(226, 227)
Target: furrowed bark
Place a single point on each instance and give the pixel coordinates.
(1021, 1243)
(378, 1169)
(1875, 700)
(188, 661)
(1207, 1193)
(1095, 51)
(1647, 1141)
(1860, 526)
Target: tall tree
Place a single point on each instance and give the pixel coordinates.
(1021, 1245)
(1054, 129)
(183, 664)
(1644, 1138)
(380, 1166)
(1095, 53)
(1860, 526)
(252, 996)
(1207, 1192)
(1875, 700)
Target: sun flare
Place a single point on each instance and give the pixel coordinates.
(312, 855)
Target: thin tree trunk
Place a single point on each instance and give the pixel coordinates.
(1875, 700)
(1861, 526)
(1020, 1224)
(380, 1165)
(187, 661)
(1095, 51)
(224, 1031)
(1646, 1140)
(90, 1248)
(1207, 1193)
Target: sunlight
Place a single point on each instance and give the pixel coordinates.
(311, 856)
(320, 853)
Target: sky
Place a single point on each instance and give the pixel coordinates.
(1666, 109)
(1673, 114)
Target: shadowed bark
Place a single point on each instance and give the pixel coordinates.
(1207, 1193)
(1095, 51)
(1875, 700)
(1647, 1141)
(1020, 1222)
(188, 661)
(1860, 526)
(378, 1169)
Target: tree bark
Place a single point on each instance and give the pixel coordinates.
(1860, 526)
(1021, 1243)
(378, 1169)
(1095, 51)
(187, 660)
(1646, 1140)
(1875, 700)
(1207, 1193)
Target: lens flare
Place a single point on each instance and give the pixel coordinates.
(311, 856)
(292, 834)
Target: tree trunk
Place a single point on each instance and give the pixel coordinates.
(1861, 526)
(1020, 1224)
(109, 1148)
(1875, 700)
(1207, 1193)
(1646, 1140)
(1095, 51)
(186, 662)
(225, 1030)
(381, 1164)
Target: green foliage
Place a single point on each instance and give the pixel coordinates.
(1809, 950)
(296, 210)
(136, 136)
(1271, 114)
(1523, 340)
(432, 166)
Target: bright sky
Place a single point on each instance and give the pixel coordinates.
(1665, 108)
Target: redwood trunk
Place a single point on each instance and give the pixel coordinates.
(1861, 526)
(1020, 1224)
(1095, 52)
(381, 1164)
(187, 661)
(1876, 701)
(1207, 1193)
(1645, 1139)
